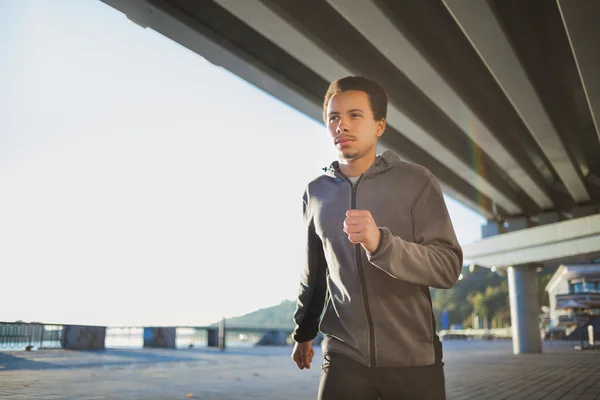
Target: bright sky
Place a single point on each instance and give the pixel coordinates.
(140, 184)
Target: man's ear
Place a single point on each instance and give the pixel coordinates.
(381, 124)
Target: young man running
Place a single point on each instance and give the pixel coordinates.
(378, 235)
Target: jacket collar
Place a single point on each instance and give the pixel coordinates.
(383, 162)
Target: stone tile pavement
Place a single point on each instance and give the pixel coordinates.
(474, 370)
(489, 370)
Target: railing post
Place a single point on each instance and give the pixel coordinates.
(222, 332)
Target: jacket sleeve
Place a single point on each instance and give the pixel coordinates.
(313, 284)
(435, 258)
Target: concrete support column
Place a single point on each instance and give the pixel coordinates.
(216, 336)
(524, 309)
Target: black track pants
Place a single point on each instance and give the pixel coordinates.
(345, 379)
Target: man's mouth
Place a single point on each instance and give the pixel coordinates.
(343, 141)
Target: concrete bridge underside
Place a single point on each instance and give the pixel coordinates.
(499, 99)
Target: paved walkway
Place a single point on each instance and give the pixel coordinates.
(474, 370)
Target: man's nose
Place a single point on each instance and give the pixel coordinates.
(341, 127)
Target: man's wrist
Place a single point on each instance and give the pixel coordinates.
(376, 243)
(379, 242)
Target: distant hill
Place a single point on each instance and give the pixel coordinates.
(279, 316)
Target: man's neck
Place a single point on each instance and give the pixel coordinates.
(357, 167)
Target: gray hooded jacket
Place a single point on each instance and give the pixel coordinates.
(377, 305)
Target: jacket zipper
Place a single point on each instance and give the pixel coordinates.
(363, 283)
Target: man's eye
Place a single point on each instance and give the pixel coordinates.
(355, 115)
(332, 118)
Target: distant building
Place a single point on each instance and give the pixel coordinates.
(574, 294)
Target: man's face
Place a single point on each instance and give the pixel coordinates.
(351, 124)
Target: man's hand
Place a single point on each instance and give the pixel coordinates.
(361, 228)
(303, 354)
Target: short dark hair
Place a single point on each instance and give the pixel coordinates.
(377, 97)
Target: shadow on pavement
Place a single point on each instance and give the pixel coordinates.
(121, 358)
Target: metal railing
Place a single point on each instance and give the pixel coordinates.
(34, 336)
(188, 337)
(584, 299)
(26, 336)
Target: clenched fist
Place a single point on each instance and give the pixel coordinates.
(303, 354)
(361, 228)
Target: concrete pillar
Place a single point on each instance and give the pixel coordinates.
(160, 337)
(524, 309)
(83, 337)
(216, 335)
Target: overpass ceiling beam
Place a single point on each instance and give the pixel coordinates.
(482, 28)
(572, 239)
(279, 27)
(172, 23)
(581, 19)
(180, 27)
(377, 27)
